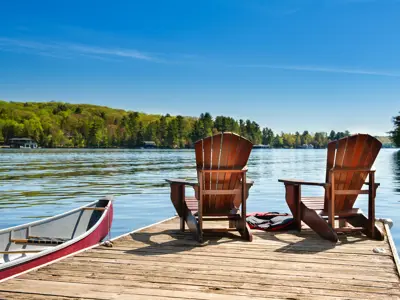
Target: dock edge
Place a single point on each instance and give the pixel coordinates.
(392, 247)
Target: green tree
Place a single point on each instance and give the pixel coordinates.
(306, 138)
(332, 135)
(133, 128)
(289, 140)
(11, 129)
(208, 124)
(298, 139)
(151, 132)
(395, 133)
(198, 131)
(140, 135)
(278, 141)
(33, 128)
(267, 136)
(184, 129)
(242, 128)
(173, 134)
(320, 140)
(95, 133)
(162, 132)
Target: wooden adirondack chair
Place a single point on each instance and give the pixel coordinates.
(221, 189)
(349, 163)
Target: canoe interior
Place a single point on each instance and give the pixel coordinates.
(67, 226)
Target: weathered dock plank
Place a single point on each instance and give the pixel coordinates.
(159, 262)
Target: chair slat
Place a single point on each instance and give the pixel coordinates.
(242, 157)
(330, 158)
(206, 177)
(367, 158)
(353, 160)
(351, 192)
(222, 192)
(224, 155)
(215, 156)
(359, 148)
(229, 153)
(342, 177)
(331, 153)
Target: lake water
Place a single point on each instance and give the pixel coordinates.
(44, 182)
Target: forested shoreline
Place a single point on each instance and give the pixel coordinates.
(395, 134)
(58, 124)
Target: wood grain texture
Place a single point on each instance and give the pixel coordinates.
(349, 163)
(160, 262)
(222, 187)
(225, 151)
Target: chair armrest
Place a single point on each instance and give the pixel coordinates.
(302, 182)
(181, 181)
(376, 184)
(250, 182)
(224, 170)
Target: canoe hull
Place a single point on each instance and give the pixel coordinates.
(99, 233)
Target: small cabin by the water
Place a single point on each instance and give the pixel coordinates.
(307, 146)
(261, 146)
(23, 143)
(149, 144)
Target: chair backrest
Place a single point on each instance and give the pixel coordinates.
(221, 151)
(356, 151)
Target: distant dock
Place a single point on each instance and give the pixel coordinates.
(261, 147)
(160, 262)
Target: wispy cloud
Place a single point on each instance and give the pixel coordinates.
(323, 69)
(129, 53)
(69, 50)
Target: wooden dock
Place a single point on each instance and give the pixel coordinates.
(159, 262)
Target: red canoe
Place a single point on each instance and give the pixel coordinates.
(31, 245)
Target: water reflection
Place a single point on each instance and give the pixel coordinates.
(396, 172)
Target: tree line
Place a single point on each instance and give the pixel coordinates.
(57, 124)
(395, 134)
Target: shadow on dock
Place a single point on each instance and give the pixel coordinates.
(173, 241)
(176, 241)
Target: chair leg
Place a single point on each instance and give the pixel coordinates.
(183, 206)
(297, 193)
(244, 229)
(200, 211)
(359, 220)
(293, 200)
(182, 224)
(371, 205)
(331, 202)
(185, 214)
(318, 224)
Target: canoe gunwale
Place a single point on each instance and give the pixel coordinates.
(109, 198)
(49, 250)
(87, 248)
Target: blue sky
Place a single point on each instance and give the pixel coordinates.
(289, 65)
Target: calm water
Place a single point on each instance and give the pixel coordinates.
(40, 183)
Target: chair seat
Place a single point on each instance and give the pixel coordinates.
(192, 204)
(316, 203)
